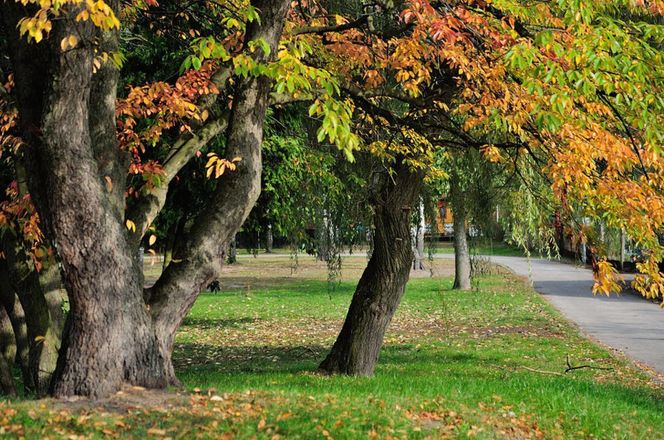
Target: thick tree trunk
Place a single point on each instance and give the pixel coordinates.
(110, 339)
(461, 251)
(383, 282)
(173, 295)
(111, 336)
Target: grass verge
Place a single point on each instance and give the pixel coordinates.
(483, 364)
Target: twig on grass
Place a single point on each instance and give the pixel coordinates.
(578, 367)
(554, 373)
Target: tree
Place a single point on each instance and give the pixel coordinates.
(76, 175)
(461, 75)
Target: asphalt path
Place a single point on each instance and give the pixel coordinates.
(625, 322)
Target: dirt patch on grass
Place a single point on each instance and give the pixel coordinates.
(129, 398)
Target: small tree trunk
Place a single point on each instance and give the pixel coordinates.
(269, 239)
(383, 282)
(622, 249)
(461, 252)
(7, 354)
(419, 255)
(41, 298)
(7, 340)
(175, 235)
(232, 250)
(14, 310)
(7, 385)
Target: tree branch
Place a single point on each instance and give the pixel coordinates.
(320, 30)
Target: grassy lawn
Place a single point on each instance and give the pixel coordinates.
(483, 364)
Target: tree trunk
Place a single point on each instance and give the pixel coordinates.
(41, 298)
(7, 340)
(174, 294)
(419, 239)
(383, 282)
(7, 386)
(70, 150)
(461, 251)
(110, 338)
(12, 306)
(232, 250)
(269, 239)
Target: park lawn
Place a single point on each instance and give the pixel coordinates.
(483, 364)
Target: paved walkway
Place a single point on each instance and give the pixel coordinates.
(626, 322)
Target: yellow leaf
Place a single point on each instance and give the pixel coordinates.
(211, 162)
(109, 183)
(153, 239)
(131, 225)
(40, 338)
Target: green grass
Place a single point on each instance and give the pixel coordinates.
(482, 364)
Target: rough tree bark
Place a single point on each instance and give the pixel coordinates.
(67, 122)
(383, 282)
(461, 251)
(110, 338)
(202, 257)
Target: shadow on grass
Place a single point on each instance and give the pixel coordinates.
(208, 323)
(406, 368)
(248, 284)
(271, 358)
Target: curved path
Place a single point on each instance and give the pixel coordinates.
(627, 322)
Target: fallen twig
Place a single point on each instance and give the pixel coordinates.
(578, 367)
(554, 373)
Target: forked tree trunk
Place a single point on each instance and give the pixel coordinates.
(383, 282)
(70, 154)
(462, 268)
(110, 339)
(202, 258)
